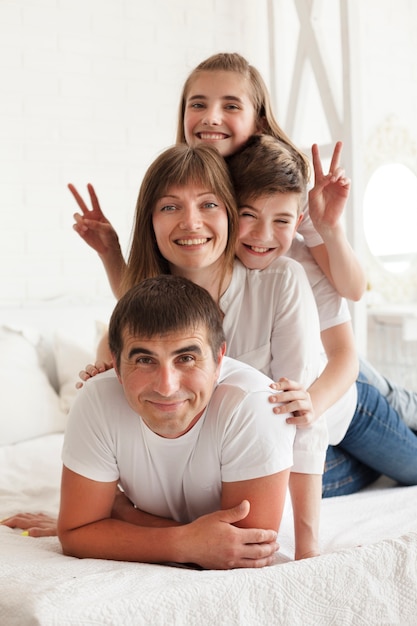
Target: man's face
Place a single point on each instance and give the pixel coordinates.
(169, 379)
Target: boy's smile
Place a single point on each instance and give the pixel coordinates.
(267, 226)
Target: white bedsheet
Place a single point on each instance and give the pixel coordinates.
(372, 584)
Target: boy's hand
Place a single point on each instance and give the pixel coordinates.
(327, 199)
(293, 398)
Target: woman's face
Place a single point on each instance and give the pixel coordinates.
(191, 228)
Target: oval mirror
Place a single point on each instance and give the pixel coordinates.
(390, 216)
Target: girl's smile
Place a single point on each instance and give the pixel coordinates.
(219, 110)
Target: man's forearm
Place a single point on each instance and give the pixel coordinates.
(121, 541)
(124, 510)
(212, 541)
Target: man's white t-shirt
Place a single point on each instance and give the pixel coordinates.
(237, 438)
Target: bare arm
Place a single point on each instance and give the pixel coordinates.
(266, 496)
(42, 525)
(86, 529)
(341, 370)
(327, 201)
(103, 362)
(99, 234)
(339, 374)
(123, 509)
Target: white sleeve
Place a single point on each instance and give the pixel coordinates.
(256, 442)
(88, 440)
(295, 337)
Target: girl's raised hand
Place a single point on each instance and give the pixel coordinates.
(92, 225)
(327, 199)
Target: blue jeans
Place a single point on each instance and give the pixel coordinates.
(377, 442)
(402, 400)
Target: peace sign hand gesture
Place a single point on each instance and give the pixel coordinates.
(327, 199)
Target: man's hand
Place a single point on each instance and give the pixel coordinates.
(213, 542)
(293, 398)
(33, 524)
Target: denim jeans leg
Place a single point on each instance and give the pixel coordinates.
(380, 439)
(343, 474)
(402, 400)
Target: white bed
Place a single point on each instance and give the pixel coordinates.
(366, 575)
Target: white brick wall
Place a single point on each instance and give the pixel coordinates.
(89, 92)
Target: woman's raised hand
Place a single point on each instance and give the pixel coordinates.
(92, 225)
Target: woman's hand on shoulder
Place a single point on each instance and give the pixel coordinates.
(292, 398)
(92, 370)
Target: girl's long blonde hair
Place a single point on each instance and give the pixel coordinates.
(259, 95)
(179, 165)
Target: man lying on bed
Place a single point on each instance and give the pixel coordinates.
(187, 433)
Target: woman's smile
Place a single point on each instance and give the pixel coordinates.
(191, 228)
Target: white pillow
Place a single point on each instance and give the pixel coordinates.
(29, 406)
(71, 356)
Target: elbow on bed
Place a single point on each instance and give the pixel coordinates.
(69, 545)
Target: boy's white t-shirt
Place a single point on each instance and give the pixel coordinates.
(180, 478)
(271, 323)
(271, 320)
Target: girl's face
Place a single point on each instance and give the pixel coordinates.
(267, 226)
(219, 110)
(191, 228)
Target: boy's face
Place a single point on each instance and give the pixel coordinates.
(267, 226)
